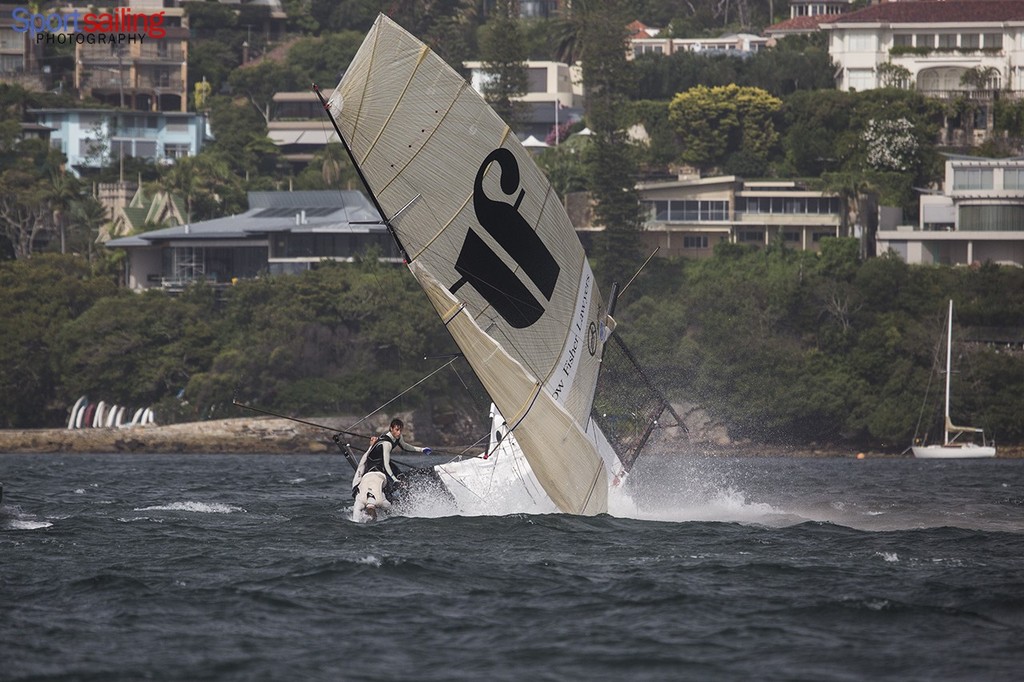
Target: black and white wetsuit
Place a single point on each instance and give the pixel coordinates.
(378, 457)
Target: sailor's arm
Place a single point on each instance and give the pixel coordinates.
(411, 448)
(387, 461)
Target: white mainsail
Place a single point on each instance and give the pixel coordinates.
(491, 245)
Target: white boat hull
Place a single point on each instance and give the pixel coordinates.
(502, 482)
(954, 451)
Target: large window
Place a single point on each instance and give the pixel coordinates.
(791, 205)
(328, 245)
(861, 79)
(972, 178)
(648, 49)
(536, 79)
(926, 40)
(1013, 178)
(688, 211)
(970, 41)
(862, 42)
(695, 241)
(10, 63)
(993, 41)
(992, 218)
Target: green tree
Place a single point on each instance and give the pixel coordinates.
(240, 137)
(40, 296)
(609, 160)
(447, 26)
(259, 82)
(321, 60)
(151, 346)
(894, 76)
(504, 56)
(64, 190)
(25, 207)
(714, 123)
(207, 185)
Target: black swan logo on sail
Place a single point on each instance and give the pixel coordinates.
(484, 270)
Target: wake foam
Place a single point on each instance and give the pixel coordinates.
(197, 507)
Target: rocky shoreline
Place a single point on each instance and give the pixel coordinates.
(269, 435)
(262, 435)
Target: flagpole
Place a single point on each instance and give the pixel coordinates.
(556, 121)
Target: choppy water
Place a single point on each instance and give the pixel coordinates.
(121, 567)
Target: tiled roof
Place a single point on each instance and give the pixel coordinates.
(799, 24)
(269, 212)
(932, 11)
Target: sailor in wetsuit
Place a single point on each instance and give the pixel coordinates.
(378, 456)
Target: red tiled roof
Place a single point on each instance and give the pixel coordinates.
(799, 24)
(638, 29)
(935, 11)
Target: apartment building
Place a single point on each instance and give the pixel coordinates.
(978, 216)
(148, 71)
(90, 138)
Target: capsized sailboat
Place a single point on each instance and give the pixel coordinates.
(952, 447)
(491, 245)
(500, 480)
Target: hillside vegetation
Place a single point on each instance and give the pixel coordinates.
(779, 346)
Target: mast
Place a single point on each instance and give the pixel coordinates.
(949, 358)
(362, 178)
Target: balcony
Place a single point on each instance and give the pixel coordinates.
(945, 52)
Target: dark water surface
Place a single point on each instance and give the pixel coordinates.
(187, 567)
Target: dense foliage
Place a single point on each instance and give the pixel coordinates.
(778, 345)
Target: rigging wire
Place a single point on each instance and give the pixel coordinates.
(381, 407)
(639, 270)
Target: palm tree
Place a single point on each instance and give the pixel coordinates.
(566, 31)
(89, 215)
(335, 163)
(857, 194)
(64, 191)
(197, 178)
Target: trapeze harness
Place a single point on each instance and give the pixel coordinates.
(375, 459)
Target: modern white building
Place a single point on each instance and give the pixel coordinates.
(978, 217)
(936, 42)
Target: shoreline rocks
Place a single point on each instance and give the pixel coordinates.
(271, 435)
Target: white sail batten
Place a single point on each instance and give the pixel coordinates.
(482, 225)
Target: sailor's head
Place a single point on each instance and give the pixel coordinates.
(396, 427)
